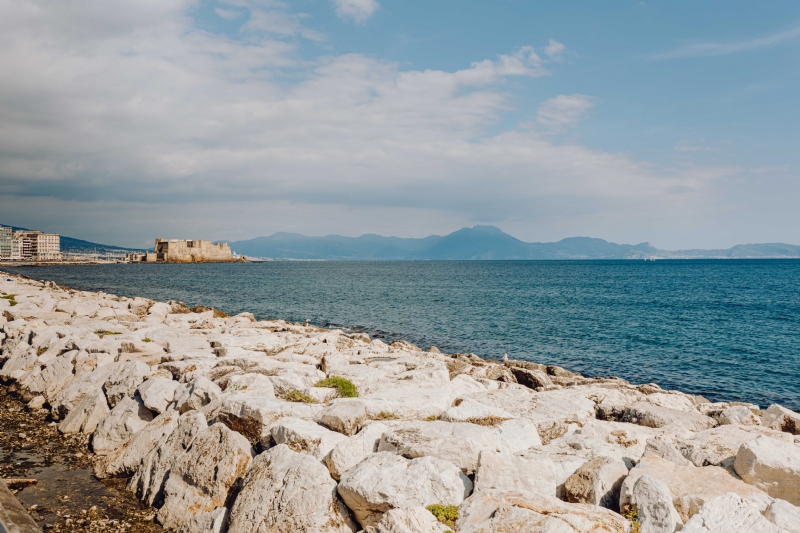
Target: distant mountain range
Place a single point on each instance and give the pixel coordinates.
(482, 243)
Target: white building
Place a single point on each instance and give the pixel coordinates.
(35, 246)
(5, 242)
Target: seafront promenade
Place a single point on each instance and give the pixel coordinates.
(233, 424)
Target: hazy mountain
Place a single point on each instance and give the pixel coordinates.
(68, 244)
(481, 243)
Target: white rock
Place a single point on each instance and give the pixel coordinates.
(738, 415)
(126, 418)
(253, 416)
(201, 392)
(718, 446)
(213, 522)
(85, 417)
(727, 514)
(597, 482)
(784, 514)
(654, 416)
(200, 479)
(653, 502)
(305, 436)
(348, 453)
(408, 520)
(470, 410)
(148, 480)
(251, 382)
(507, 472)
(771, 465)
(285, 492)
(345, 415)
(124, 381)
(522, 512)
(158, 393)
(690, 486)
(665, 448)
(126, 459)
(782, 419)
(518, 434)
(386, 481)
(37, 402)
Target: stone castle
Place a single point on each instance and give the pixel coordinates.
(183, 251)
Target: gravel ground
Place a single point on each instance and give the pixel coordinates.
(67, 497)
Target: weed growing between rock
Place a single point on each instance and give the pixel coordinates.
(446, 514)
(344, 386)
(297, 396)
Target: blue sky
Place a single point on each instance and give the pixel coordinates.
(669, 122)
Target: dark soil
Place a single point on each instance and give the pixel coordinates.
(67, 497)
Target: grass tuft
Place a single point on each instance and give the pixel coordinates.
(488, 421)
(11, 299)
(432, 418)
(147, 339)
(386, 415)
(41, 350)
(102, 333)
(344, 386)
(446, 514)
(297, 396)
(632, 515)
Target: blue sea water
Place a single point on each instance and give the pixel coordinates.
(729, 330)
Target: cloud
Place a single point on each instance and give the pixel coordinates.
(564, 110)
(227, 14)
(554, 50)
(718, 49)
(279, 22)
(123, 124)
(358, 10)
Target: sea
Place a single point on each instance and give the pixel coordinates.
(728, 330)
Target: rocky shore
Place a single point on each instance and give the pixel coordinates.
(232, 424)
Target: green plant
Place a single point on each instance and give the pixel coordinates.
(386, 415)
(11, 299)
(297, 396)
(147, 339)
(631, 513)
(344, 386)
(446, 514)
(102, 333)
(431, 418)
(41, 350)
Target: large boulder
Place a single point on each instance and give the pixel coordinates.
(690, 486)
(213, 522)
(148, 480)
(348, 453)
(771, 465)
(126, 459)
(654, 416)
(738, 415)
(85, 417)
(782, 419)
(496, 511)
(200, 393)
(408, 520)
(306, 437)
(158, 393)
(653, 502)
(253, 416)
(200, 480)
(346, 416)
(730, 513)
(508, 472)
(124, 381)
(287, 492)
(128, 416)
(597, 482)
(386, 481)
(784, 514)
(718, 446)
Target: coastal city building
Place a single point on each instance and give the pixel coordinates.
(28, 245)
(185, 251)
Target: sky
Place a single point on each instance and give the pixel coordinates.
(673, 122)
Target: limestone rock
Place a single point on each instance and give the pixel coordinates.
(37, 402)
(729, 513)
(690, 486)
(784, 514)
(718, 446)
(522, 512)
(508, 472)
(148, 480)
(201, 392)
(286, 492)
(653, 502)
(213, 522)
(597, 482)
(200, 479)
(386, 481)
(253, 416)
(469, 410)
(665, 448)
(126, 459)
(158, 393)
(256, 383)
(85, 417)
(124, 381)
(408, 520)
(771, 465)
(738, 415)
(646, 414)
(782, 419)
(518, 434)
(348, 453)
(346, 416)
(306, 437)
(128, 416)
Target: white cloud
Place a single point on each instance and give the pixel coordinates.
(564, 110)
(279, 22)
(358, 10)
(554, 50)
(718, 49)
(135, 117)
(227, 14)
